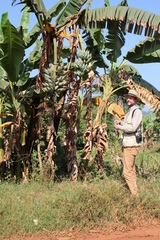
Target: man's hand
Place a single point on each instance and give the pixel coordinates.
(116, 124)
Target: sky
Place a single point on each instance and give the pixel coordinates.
(150, 72)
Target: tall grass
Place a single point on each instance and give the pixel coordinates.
(38, 207)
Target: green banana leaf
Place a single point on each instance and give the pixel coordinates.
(24, 22)
(34, 33)
(36, 6)
(132, 20)
(115, 40)
(29, 64)
(3, 84)
(3, 19)
(131, 70)
(72, 8)
(57, 8)
(13, 50)
(95, 43)
(145, 52)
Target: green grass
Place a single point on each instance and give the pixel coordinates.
(80, 205)
(148, 162)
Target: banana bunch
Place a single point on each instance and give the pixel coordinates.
(81, 65)
(56, 83)
(61, 84)
(84, 55)
(48, 85)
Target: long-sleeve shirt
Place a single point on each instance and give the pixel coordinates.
(130, 125)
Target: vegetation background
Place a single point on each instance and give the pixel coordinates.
(60, 158)
(99, 202)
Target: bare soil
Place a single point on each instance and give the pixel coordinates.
(147, 232)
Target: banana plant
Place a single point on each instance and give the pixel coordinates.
(56, 79)
(3, 123)
(16, 82)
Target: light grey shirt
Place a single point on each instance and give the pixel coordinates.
(135, 121)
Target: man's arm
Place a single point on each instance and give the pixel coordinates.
(132, 127)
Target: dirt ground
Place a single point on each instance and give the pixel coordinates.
(147, 232)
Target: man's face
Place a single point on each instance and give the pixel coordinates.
(131, 100)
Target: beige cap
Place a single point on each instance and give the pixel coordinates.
(133, 93)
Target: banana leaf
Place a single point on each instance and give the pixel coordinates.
(115, 40)
(72, 8)
(13, 50)
(137, 78)
(145, 52)
(29, 64)
(95, 43)
(36, 6)
(143, 83)
(132, 20)
(24, 22)
(34, 33)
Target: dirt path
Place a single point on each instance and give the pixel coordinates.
(151, 232)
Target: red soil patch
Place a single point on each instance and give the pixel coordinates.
(150, 232)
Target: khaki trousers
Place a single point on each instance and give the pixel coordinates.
(129, 170)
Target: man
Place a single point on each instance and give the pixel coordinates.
(131, 127)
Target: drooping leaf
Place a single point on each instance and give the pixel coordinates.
(13, 50)
(145, 52)
(57, 8)
(2, 72)
(3, 76)
(143, 83)
(36, 6)
(115, 40)
(32, 36)
(95, 42)
(72, 8)
(137, 78)
(132, 19)
(35, 31)
(149, 98)
(116, 110)
(131, 70)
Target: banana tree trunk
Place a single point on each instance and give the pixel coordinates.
(2, 162)
(88, 137)
(50, 137)
(100, 136)
(70, 118)
(1, 141)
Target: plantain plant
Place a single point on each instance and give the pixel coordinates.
(59, 58)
